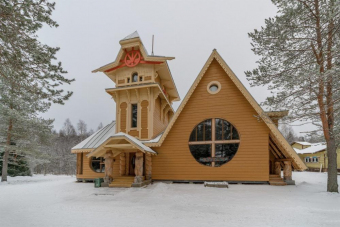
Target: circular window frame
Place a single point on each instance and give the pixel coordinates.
(218, 84)
(101, 164)
(215, 142)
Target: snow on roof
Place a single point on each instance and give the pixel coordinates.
(302, 143)
(315, 147)
(131, 36)
(154, 140)
(135, 141)
(98, 137)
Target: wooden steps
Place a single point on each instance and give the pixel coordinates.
(276, 180)
(122, 182)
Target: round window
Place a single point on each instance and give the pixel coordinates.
(97, 165)
(214, 147)
(214, 87)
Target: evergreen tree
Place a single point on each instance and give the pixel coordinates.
(300, 62)
(29, 78)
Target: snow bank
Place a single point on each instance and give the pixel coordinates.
(60, 201)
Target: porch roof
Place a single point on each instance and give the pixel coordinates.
(120, 142)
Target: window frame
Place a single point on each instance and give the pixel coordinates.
(133, 75)
(131, 116)
(101, 164)
(213, 140)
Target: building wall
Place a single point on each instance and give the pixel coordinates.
(89, 174)
(299, 146)
(251, 163)
(322, 159)
(158, 125)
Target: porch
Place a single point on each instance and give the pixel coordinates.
(135, 162)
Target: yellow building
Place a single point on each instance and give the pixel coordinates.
(218, 133)
(314, 155)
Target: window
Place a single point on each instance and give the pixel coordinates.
(214, 87)
(214, 142)
(140, 78)
(128, 80)
(135, 77)
(134, 116)
(315, 159)
(97, 165)
(307, 159)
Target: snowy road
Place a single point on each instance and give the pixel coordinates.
(59, 201)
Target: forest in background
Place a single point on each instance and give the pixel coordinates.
(54, 157)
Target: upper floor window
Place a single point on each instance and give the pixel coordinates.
(214, 142)
(134, 114)
(135, 77)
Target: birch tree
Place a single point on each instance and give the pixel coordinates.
(30, 76)
(299, 53)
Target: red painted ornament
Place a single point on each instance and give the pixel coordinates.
(132, 58)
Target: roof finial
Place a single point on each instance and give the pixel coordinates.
(152, 44)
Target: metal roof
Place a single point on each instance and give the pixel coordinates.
(132, 36)
(97, 138)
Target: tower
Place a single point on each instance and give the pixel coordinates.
(144, 89)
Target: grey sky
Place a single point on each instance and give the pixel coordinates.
(90, 31)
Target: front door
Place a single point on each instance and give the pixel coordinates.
(132, 158)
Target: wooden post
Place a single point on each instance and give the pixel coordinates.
(148, 166)
(278, 168)
(287, 173)
(139, 167)
(122, 164)
(287, 170)
(108, 167)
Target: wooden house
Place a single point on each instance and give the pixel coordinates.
(218, 133)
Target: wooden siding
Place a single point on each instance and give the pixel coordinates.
(123, 113)
(144, 119)
(158, 125)
(88, 173)
(134, 133)
(147, 78)
(251, 162)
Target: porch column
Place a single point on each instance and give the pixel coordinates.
(139, 167)
(287, 172)
(108, 167)
(278, 168)
(148, 166)
(122, 164)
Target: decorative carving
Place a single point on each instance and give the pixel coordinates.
(122, 164)
(128, 95)
(132, 58)
(108, 167)
(139, 167)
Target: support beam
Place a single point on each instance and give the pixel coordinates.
(122, 164)
(278, 168)
(108, 167)
(148, 166)
(287, 172)
(139, 167)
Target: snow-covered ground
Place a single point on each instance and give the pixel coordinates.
(60, 201)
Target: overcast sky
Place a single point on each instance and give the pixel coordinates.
(90, 31)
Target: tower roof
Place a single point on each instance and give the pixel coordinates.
(131, 36)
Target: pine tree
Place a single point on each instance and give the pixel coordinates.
(300, 63)
(29, 78)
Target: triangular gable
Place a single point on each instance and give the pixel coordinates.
(282, 142)
(130, 140)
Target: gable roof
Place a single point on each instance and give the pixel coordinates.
(296, 161)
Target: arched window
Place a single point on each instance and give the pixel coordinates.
(214, 142)
(135, 77)
(97, 165)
